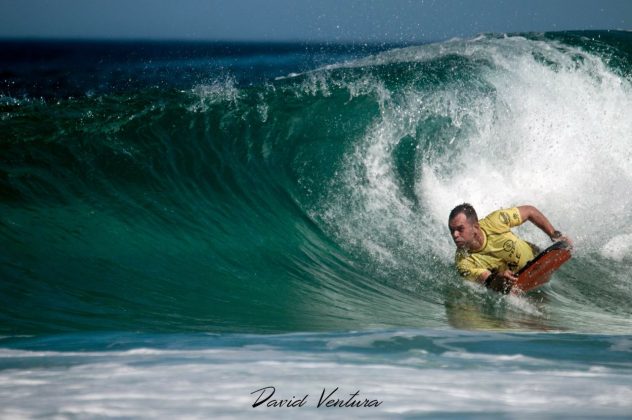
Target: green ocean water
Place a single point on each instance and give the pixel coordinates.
(233, 192)
(314, 202)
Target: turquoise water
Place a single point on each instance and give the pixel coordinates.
(184, 224)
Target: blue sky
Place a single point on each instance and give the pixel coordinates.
(302, 20)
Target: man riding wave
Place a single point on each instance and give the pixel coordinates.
(488, 252)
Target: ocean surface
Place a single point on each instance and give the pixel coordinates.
(199, 230)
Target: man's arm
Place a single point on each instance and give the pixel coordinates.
(504, 281)
(499, 282)
(536, 217)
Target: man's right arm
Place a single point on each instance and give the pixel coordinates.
(469, 270)
(498, 282)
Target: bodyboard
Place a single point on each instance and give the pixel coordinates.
(539, 270)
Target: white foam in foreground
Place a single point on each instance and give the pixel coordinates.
(217, 383)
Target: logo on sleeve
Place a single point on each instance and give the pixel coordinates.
(504, 217)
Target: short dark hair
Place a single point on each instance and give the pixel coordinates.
(467, 210)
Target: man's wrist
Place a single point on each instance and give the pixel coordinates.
(489, 279)
(555, 235)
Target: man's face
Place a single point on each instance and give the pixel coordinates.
(462, 231)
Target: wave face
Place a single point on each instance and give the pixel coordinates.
(200, 191)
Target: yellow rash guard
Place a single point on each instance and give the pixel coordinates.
(502, 250)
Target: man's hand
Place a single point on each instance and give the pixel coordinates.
(566, 239)
(502, 282)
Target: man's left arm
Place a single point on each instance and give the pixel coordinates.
(536, 217)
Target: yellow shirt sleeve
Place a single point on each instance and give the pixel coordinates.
(502, 220)
(468, 269)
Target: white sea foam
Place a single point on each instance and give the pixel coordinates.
(219, 384)
(556, 135)
(542, 124)
(221, 90)
(618, 248)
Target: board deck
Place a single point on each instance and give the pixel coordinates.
(539, 270)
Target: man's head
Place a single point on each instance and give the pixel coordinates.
(463, 224)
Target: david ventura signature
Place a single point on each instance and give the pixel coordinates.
(327, 399)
